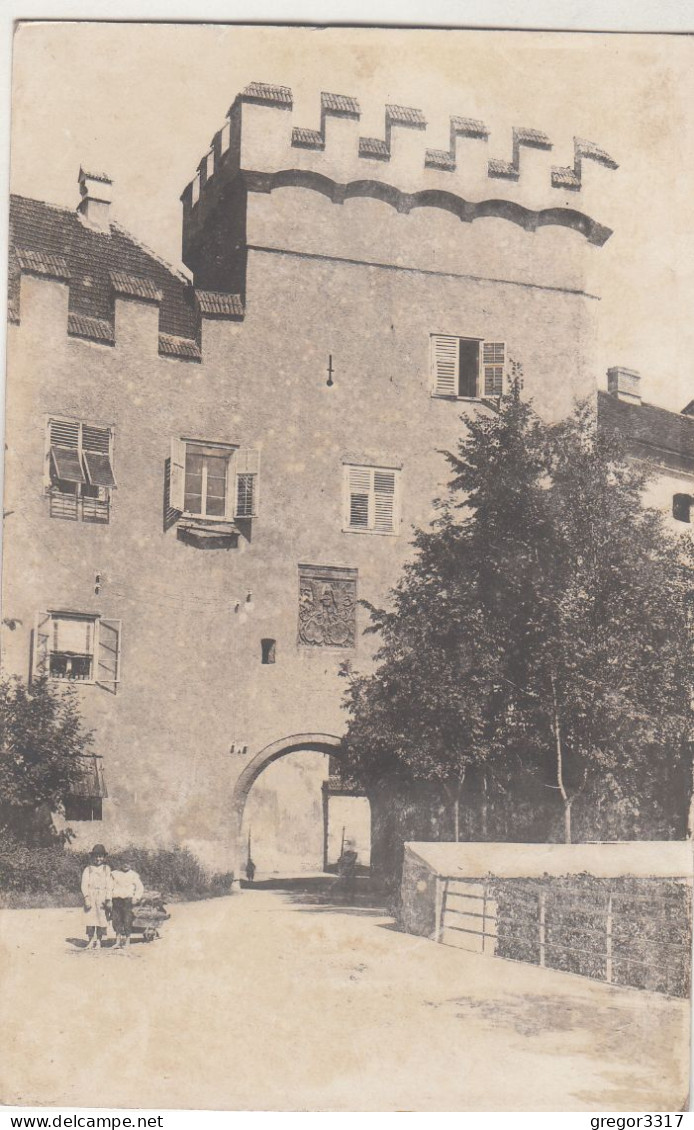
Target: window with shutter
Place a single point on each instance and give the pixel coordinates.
(371, 500)
(208, 486)
(80, 470)
(467, 368)
(77, 647)
(247, 466)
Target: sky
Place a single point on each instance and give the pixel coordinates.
(141, 102)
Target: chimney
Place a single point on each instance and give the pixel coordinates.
(625, 384)
(95, 189)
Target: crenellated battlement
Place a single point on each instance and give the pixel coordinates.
(262, 147)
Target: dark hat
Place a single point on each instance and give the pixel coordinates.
(99, 849)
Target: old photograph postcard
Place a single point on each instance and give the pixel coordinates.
(346, 695)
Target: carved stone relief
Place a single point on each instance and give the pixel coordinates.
(327, 606)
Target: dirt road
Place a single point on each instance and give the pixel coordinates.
(258, 1001)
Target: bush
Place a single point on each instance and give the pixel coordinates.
(51, 876)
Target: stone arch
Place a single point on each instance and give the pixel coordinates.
(316, 743)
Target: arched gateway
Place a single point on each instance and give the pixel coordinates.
(295, 743)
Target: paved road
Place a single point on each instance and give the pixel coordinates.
(260, 1001)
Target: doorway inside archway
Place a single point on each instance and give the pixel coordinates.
(298, 819)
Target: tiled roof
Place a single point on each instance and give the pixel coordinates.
(470, 127)
(653, 433)
(373, 147)
(134, 286)
(218, 304)
(265, 92)
(184, 348)
(340, 104)
(439, 159)
(103, 177)
(499, 168)
(39, 263)
(564, 177)
(98, 329)
(59, 238)
(406, 116)
(307, 138)
(585, 148)
(533, 137)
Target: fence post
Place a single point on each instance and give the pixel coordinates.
(543, 925)
(484, 917)
(438, 911)
(608, 942)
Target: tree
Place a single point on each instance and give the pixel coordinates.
(540, 628)
(42, 746)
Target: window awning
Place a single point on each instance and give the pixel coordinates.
(99, 469)
(67, 465)
(88, 779)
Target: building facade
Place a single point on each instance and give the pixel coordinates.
(206, 477)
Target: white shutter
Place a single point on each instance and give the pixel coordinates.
(493, 365)
(177, 475)
(108, 655)
(358, 516)
(384, 501)
(41, 645)
(445, 363)
(243, 499)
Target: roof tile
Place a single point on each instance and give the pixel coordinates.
(182, 347)
(214, 303)
(655, 433)
(307, 138)
(41, 263)
(98, 329)
(406, 116)
(469, 127)
(134, 286)
(265, 92)
(439, 159)
(564, 177)
(340, 104)
(373, 147)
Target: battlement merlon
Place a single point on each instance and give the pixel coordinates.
(262, 145)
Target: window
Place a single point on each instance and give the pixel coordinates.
(371, 500)
(212, 482)
(77, 648)
(83, 808)
(88, 789)
(80, 470)
(682, 507)
(467, 367)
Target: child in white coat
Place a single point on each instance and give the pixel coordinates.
(96, 891)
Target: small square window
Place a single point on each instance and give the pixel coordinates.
(372, 499)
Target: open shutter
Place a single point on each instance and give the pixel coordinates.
(384, 501)
(358, 496)
(445, 361)
(41, 645)
(96, 453)
(177, 475)
(493, 364)
(108, 655)
(246, 463)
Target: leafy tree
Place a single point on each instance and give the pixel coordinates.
(42, 742)
(540, 628)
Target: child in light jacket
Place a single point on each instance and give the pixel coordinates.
(96, 891)
(127, 889)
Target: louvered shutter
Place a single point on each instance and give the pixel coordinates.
(445, 359)
(96, 454)
(64, 443)
(245, 500)
(493, 362)
(108, 655)
(384, 501)
(41, 645)
(358, 495)
(177, 475)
